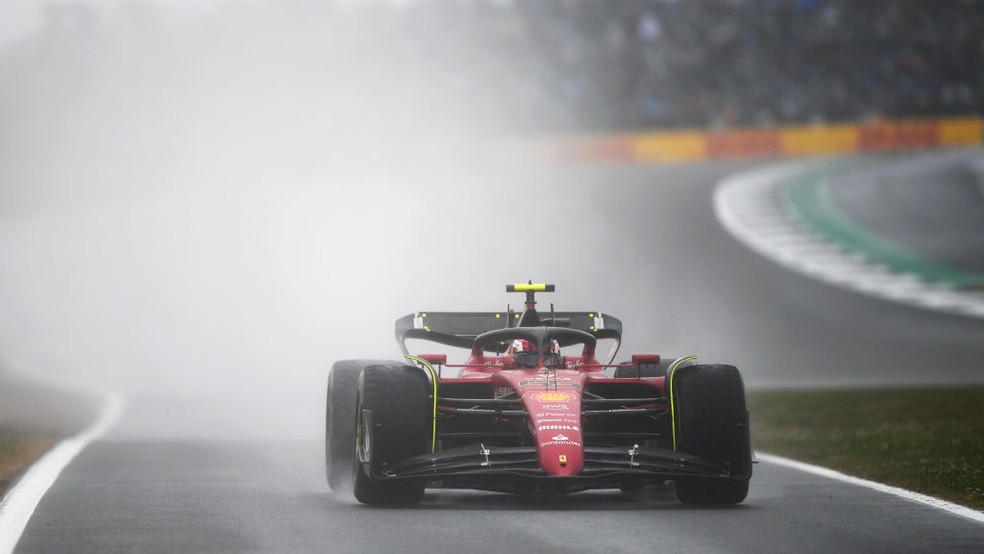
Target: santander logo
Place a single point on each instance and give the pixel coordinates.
(560, 438)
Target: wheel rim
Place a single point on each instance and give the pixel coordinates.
(363, 437)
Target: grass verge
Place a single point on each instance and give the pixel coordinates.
(18, 450)
(928, 440)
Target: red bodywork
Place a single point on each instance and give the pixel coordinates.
(569, 423)
(552, 400)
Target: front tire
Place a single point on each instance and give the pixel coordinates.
(342, 396)
(393, 424)
(711, 421)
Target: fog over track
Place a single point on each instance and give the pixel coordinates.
(205, 211)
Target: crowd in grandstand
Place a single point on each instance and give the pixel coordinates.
(628, 63)
(618, 64)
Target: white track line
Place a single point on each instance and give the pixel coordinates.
(18, 505)
(750, 207)
(950, 507)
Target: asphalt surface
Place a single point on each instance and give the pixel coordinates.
(931, 205)
(213, 497)
(677, 280)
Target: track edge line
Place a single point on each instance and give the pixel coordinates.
(933, 502)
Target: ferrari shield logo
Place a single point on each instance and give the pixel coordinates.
(553, 396)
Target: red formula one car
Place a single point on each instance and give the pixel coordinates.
(532, 410)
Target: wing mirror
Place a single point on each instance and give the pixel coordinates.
(435, 359)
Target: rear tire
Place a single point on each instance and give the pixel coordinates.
(342, 396)
(711, 422)
(397, 400)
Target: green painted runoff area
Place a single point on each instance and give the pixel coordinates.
(808, 199)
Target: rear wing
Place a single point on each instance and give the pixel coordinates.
(459, 329)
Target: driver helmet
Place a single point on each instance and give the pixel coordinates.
(525, 353)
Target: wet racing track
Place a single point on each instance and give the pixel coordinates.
(655, 256)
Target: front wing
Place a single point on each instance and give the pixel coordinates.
(517, 469)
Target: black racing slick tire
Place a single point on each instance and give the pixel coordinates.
(711, 422)
(394, 418)
(342, 396)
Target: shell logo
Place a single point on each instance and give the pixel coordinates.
(553, 396)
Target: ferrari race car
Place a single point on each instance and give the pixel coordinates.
(532, 410)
